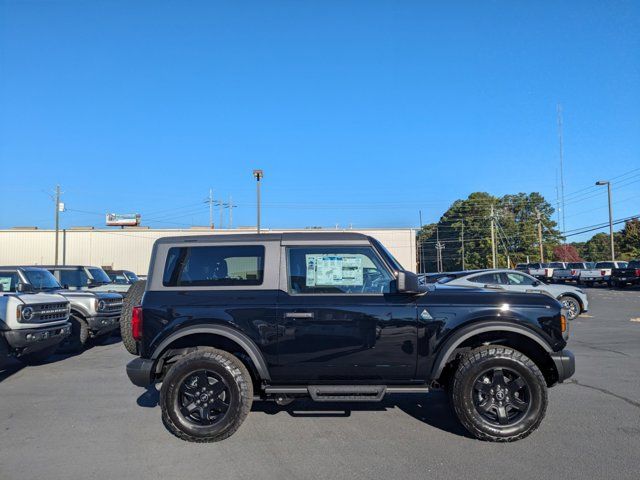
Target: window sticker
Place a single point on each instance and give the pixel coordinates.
(5, 283)
(330, 270)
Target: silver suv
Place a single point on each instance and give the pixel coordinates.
(93, 314)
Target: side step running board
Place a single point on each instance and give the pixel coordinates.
(347, 393)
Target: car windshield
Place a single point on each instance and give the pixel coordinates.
(132, 276)
(556, 265)
(41, 279)
(634, 264)
(605, 265)
(576, 265)
(99, 275)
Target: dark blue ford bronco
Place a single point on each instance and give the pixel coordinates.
(334, 317)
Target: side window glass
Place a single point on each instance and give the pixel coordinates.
(337, 270)
(214, 266)
(516, 279)
(488, 279)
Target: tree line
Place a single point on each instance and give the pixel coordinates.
(465, 228)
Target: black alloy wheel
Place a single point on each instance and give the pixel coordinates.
(501, 396)
(204, 398)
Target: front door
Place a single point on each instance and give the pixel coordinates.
(339, 320)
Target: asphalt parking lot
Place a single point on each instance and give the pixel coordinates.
(80, 418)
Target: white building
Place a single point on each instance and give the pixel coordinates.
(130, 248)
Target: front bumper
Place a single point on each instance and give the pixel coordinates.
(103, 324)
(565, 363)
(139, 372)
(31, 340)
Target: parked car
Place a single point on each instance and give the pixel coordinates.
(522, 267)
(629, 275)
(427, 278)
(334, 317)
(601, 273)
(573, 299)
(83, 277)
(94, 315)
(571, 272)
(124, 279)
(32, 324)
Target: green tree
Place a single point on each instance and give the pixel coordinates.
(516, 231)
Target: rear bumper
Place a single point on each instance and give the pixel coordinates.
(31, 340)
(565, 363)
(139, 371)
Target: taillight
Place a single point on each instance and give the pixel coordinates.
(546, 272)
(563, 323)
(573, 272)
(637, 272)
(603, 272)
(136, 323)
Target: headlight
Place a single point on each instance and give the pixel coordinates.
(102, 305)
(25, 313)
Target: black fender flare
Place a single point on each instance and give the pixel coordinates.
(246, 343)
(81, 310)
(466, 332)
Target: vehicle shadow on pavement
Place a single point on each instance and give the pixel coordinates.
(14, 366)
(432, 409)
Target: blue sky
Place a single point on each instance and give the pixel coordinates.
(359, 112)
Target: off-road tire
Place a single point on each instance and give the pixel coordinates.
(570, 299)
(236, 377)
(493, 356)
(39, 357)
(133, 298)
(79, 336)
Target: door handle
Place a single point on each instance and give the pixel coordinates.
(298, 315)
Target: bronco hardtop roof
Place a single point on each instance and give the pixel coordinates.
(254, 237)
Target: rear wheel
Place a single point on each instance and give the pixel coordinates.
(206, 396)
(499, 394)
(571, 305)
(133, 298)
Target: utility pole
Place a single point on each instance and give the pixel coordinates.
(462, 241)
(493, 237)
(258, 175)
(210, 202)
(561, 166)
(439, 247)
(540, 236)
(230, 206)
(608, 184)
(57, 221)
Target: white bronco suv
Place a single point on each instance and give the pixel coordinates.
(32, 325)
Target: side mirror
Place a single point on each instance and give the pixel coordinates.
(536, 283)
(407, 282)
(24, 288)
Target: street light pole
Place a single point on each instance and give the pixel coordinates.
(57, 222)
(608, 184)
(258, 174)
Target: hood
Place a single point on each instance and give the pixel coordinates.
(39, 297)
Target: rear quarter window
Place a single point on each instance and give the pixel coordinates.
(211, 266)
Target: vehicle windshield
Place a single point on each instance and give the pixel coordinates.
(99, 275)
(576, 265)
(556, 265)
(634, 264)
(42, 279)
(605, 265)
(132, 276)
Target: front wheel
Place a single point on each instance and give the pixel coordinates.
(499, 394)
(75, 342)
(206, 396)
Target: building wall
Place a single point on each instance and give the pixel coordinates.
(130, 249)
